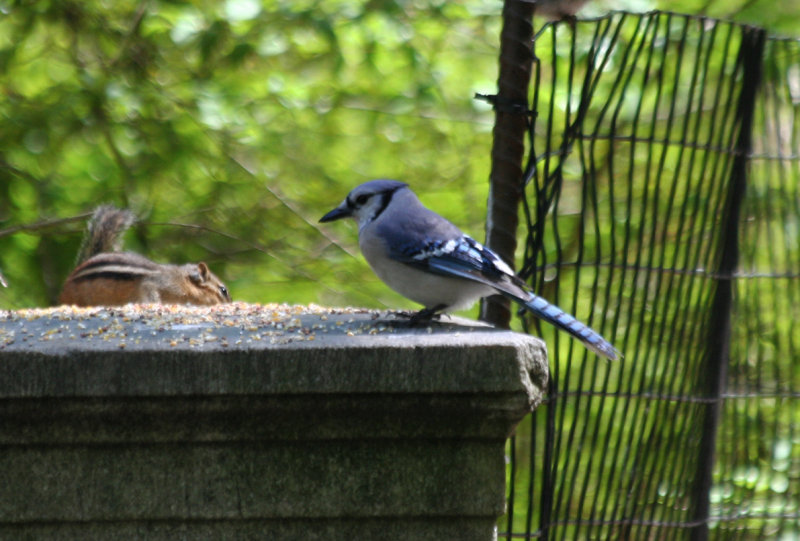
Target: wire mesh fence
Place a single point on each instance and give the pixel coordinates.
(662, 199)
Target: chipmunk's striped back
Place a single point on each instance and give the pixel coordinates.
(115, 266)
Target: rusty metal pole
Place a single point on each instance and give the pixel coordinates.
(508, 147)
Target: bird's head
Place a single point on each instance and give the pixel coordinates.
(365, 202)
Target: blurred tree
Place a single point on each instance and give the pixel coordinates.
(231, 127)
(243, 122)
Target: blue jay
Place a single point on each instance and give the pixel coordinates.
(426, 258)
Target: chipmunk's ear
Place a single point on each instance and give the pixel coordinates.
(204, 272)
(200, 274)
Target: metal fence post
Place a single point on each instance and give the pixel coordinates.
(713, 378)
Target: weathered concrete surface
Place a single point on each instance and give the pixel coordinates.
(256, 422)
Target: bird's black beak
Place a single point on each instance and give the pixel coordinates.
(342, 211)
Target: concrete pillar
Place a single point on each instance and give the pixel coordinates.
(256, 422)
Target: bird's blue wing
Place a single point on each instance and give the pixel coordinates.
(466, 258)
(461, 256)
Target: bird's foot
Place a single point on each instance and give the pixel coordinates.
(423, 316)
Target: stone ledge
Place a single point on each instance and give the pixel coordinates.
(249, 421)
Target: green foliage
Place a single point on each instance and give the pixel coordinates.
(231, 128)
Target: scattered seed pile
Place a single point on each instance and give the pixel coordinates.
(224, 325)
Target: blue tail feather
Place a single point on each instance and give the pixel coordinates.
(558, 317)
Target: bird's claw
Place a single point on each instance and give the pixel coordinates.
(426, 315)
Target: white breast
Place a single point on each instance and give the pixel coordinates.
(427, 289)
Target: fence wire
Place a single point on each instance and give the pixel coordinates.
(662, 200)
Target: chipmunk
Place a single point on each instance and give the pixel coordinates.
(106, 276)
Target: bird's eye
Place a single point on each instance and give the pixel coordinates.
(361, 199)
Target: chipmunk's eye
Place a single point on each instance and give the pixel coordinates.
(223, 291)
